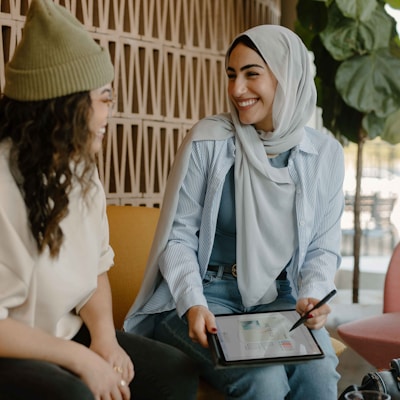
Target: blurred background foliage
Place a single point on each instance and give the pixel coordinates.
(356, 51)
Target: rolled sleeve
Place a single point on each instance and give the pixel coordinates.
(184, 280)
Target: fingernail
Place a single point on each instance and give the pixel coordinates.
(310, 316)
(214, 330)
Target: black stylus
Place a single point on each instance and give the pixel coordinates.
(305, 316)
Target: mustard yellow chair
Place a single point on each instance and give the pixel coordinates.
(131, 234)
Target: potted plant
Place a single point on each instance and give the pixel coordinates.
(357, 56)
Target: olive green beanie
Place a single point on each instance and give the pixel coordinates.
(55, 57)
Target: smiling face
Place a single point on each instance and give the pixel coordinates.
(251, 87)
(102, 101)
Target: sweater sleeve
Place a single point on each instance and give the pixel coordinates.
(17, 259)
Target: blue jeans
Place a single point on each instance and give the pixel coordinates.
(312, 380)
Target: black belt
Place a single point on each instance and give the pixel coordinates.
(228, 269)
(231, 269)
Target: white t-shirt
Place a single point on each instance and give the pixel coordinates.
(36, 289)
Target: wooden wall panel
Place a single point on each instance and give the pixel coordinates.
(169, 72)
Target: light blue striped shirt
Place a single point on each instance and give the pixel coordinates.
(316, 166)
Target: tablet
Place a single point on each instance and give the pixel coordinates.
(260, 338)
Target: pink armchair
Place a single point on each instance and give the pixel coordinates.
(377, 338)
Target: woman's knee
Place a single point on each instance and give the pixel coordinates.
(173, 330)
(316, 378)
(39, 380)
(161, 370)
(251, 383)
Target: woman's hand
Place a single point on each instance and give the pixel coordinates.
(201, 320)
(97, 315)
(317, 319)
(21, 341)
(116, 357)
(101, 378)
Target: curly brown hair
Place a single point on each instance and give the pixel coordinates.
(46, 136)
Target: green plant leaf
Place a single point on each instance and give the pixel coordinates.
(344, 37)
(306, 35)
(325, 64)
(337, 116)
(357, 9)
(394, 3)
(371, 82)
(347, 122)
(373, 125)
(391, 130)
(313, 15)
(395, 46)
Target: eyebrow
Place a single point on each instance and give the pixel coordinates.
(107, 90)
(248, 66)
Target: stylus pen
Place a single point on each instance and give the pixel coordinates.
(318, 305)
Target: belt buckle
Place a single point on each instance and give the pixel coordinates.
(234, 270)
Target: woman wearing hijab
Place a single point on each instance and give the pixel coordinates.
(258, 190)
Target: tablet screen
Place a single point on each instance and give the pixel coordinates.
(262, 337)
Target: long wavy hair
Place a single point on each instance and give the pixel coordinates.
(50, 138)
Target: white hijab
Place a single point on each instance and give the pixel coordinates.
(265, 214)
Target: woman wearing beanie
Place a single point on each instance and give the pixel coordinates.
(250, 222)
(57, 339)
